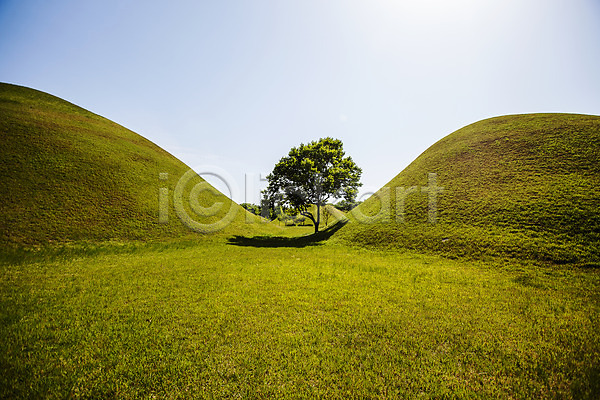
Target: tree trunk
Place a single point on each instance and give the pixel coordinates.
(309, 215)
(318, 221)
(315, 221)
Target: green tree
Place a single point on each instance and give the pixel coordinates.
(346, 205)
(253, 208)
(310, 175)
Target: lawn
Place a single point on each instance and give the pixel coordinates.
(287, 318)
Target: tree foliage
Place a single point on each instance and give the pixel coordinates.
(253, 208)
(312, 174)
(344, 205)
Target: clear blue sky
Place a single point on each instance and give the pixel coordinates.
(236, 84)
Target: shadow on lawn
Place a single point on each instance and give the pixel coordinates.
(281, 241)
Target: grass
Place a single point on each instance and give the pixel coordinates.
(69, 175)
(223, 319)
(100, 300)
(521, 186)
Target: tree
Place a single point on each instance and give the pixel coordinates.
(312, 174)
(346, 205)
(253, 208)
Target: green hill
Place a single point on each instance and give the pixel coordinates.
(69, 175)
(524, 186)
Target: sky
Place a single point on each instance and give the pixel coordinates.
(230, 86)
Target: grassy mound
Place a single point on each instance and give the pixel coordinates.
(70, 175)
(524, 186)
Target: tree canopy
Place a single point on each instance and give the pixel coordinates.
(312, 174)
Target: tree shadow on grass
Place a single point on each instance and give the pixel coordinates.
(282, 241)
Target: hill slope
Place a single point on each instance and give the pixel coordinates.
(525, 186)
(68, 174)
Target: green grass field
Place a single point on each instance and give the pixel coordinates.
(293, 319)
(99, 299)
